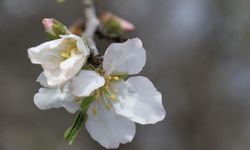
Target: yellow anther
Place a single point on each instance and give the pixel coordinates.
(113, 97)
(94, 111)
(69, 49)
(65, 54)
(116, 78)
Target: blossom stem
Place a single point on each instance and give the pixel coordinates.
(92, 23)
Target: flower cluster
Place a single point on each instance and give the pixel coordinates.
(107, 100)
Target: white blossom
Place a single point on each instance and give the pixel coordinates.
(65, 95)
(55, 96)
(61, 59)
(119, 103)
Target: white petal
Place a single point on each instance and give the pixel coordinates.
(47, 98)
(125, 58)
(86, 82)
(46, 53)
(71, 61)
(68, 69)
(55, 76)
(71, 107)
(107, 128)
(54, 98)
(72, 65)
(68, 100)
(139, 101)
(43, 81)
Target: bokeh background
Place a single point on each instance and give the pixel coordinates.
(198, 56)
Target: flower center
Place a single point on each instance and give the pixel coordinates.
(106, 94)
(69, 48)
(108, 89)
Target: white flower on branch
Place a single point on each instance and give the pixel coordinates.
(119, 103)
(55, 96)
(61, 59)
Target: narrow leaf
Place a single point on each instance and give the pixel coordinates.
(86, 102)
(71, 133)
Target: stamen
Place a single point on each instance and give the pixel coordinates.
(65, 55)
(94, 110)
(69, 49)
(116, 78)
(110, 93)
(107, 103)
(113, 97)
(98, 96)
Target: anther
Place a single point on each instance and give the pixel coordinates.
(116, 78)
(65, 54)
(94, 111)
(113, 97)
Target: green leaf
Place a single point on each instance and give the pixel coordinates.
(86, 102)
(72, 132)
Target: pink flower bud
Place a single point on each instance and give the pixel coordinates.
(54, 28)
(126, 26)
(48, 25)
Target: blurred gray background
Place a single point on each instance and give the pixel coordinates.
(198, 56)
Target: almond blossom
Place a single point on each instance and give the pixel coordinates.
(107, 101)
(61, 59)
(60, 96)
(119, 103)
(55, 96)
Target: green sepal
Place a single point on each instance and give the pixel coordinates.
(52, 36)
(59, 28)
(113, 27)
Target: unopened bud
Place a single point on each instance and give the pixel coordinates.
(126, 25)
(54, 28)
(114, 24)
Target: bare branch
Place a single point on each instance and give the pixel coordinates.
(92, 23)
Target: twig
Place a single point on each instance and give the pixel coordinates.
(92, 23)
